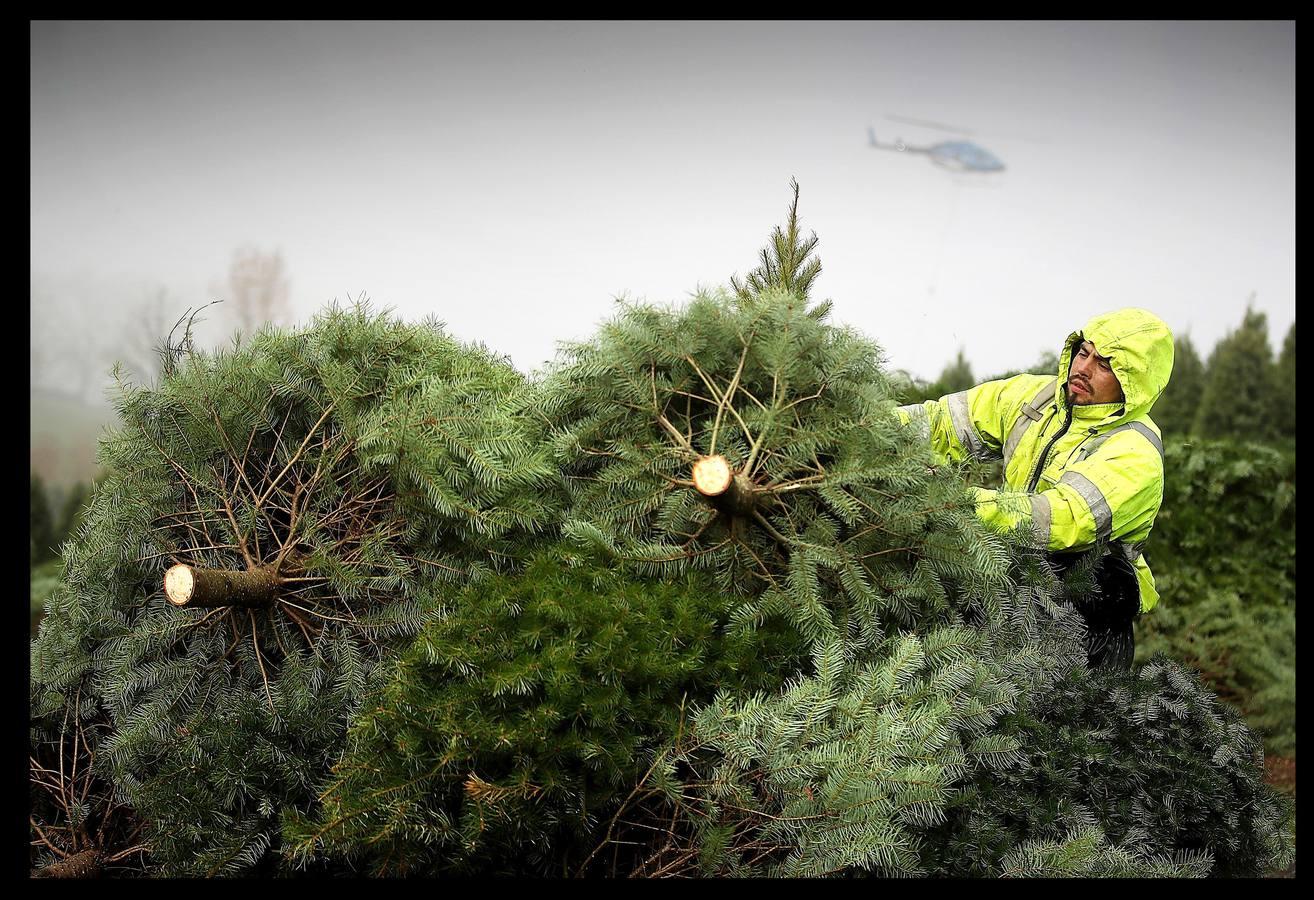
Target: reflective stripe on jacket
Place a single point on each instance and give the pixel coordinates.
(1101, 478)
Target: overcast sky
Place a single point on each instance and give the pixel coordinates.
(514, 178)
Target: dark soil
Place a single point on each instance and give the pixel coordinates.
(1280, 772)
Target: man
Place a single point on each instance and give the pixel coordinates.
(1082, 458)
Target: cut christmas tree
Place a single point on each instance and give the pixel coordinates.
(743, 448)
(691, 602)
(273, 520)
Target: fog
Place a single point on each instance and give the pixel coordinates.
(513, 179)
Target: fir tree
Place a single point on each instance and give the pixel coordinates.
(70, 514)
(848, 769)
(80, 829)
(1237, 400)
(1167, 773)
(1045, 364)
(1085, 852)
(1224, 548)
(317, 493)
(814, 509)
(957, 376)
(787, 262)
(693, 602)
(509, 737)
(747, 441)
(41, 526)
(44, 581)
(747, 437)
(1175, 410)
(1284, 387)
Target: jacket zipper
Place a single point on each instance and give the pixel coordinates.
(1044, 456)
(1090, 433)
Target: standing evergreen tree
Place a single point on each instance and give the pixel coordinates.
(1237, 401)
(954, 377)
(41, 526)
(272, 521)
(1284, 387)
(1175, 410)
(957, 376)
(1225, 549)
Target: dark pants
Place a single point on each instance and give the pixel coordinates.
(1106, 593)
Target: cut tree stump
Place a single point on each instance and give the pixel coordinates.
(193, 588)
(80, 865)
(728, 491)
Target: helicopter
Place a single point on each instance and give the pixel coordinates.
(961, 156)
(970, 163)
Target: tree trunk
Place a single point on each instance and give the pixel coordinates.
(193, 588)
(729, 492)
(80, 865)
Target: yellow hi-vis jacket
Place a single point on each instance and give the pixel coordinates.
(1078, 474)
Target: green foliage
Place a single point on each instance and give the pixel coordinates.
(850, 767)
(1224, 553)
(1045, 364)
(1237, 400)
(852, 532)
(41, 524)
(44, 579)
(900, 603)
(53, 517)
(77, 820)
(787, 263)
(930, 762)
(957, 376)
(513, 728)
(511, 636)
(1048, 362)
(954, 377)
(72, 510)
(923, 628)
(1171, 776)
(1085, 853)
(1284, 387)
(374, 465)
(1175, 410)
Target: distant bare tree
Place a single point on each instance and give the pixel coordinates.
(144, 330)
(68, 349)
(257, 289)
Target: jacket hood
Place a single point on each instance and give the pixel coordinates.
(1140, 351)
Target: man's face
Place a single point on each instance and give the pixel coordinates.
(1091, 379)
